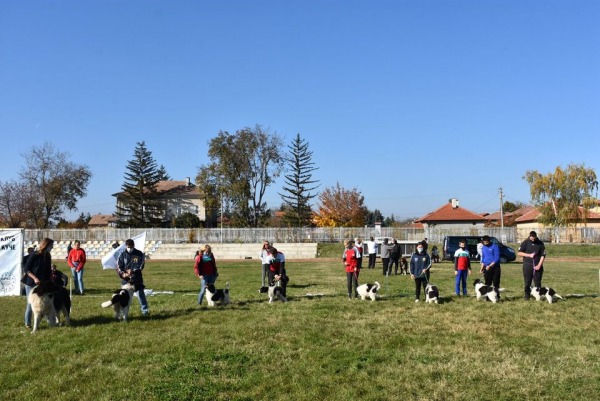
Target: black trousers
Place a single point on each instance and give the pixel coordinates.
(387, 266)
(352, 278)
(394, 262)
(492, 276)
(359, 263)
(421, 281)
(372, 260)
(272, 275)
(528, 276)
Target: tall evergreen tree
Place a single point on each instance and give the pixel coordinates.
(140, 207)
(299, 184)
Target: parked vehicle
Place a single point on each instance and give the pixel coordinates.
(507, 254)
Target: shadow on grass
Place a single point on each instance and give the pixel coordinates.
(105, 319)
(302, 285)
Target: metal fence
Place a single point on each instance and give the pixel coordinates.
(282, 235)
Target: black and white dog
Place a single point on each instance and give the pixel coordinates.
(120, 301)
(62, 302)
(42, 303)
(482, 290)
(431, 293)
(549, 293)
(368, 290)
(213, 295)
(273, 291)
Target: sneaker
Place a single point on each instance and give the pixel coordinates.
(416, 300)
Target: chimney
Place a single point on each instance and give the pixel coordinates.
(187, 181)
(454, 202)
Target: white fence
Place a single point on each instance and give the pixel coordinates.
(255, 235)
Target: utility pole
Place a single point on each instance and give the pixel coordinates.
(501, 210)
(221, 217)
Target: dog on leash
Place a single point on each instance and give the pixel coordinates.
(368, 290)
(549, 293)
(213, 295)
(62, 304)
(431, 293)
(120, 301)
(273, 291)
(482, 290)
(41, 300)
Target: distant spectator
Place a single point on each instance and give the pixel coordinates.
(265, 258)
(115, 245)
(359, 245)
(76, 260)
(372, 248)
(395, 256)
(425, 245)
(479, 249)
(69, 247)
(386, 253)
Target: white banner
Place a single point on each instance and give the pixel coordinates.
(109, 261)
(11, 255)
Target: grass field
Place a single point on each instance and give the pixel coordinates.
(312, 348)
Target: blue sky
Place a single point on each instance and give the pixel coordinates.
(412, 102)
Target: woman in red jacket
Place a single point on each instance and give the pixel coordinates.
(206, 270)
(350, 258)
(76, 260)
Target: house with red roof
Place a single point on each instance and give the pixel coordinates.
(451, 215)
(494, 219)
(103, 220)
(574, 233)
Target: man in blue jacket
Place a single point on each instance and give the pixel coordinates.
(129, 269)
(420, 263)
(490, 262)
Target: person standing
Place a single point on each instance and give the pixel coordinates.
(479, 249)
(358, 244)
(372, 249)
(30, 251)
(37, 269)
(76, 261)
(350, 259)
(277, 269)
(69, 248)
(533, 252)
(206, 270)
(265, 258)
(462, 266)
(420, 263)
(129, 269)
(490, 262)
(386, 253)
(425, 245)
(395, 256)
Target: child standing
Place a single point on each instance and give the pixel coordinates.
(420, 263)
(350, 258)
(462, 266)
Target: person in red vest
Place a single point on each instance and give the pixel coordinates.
(277, 269)
(206, 270)
(76, 261)
(350, 258)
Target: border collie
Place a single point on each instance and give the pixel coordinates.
(549, 293)
(120, 301)
(482, 290)
(42, 303)
(368, 290)
(274, 291)
(431, 293)
(213, 295)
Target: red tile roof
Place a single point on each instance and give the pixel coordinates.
(171, 187)
(448, 213)
(102, 220)
(535, 213)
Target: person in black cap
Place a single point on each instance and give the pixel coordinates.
(533, 252)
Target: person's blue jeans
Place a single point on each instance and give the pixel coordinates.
(461, 277)
(208, 279)
(78, 280)
(141, 296)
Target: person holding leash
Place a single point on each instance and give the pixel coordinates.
(490, 262)
(265, 258)
(350, 259)
(76, 261)
(533, 252)
(277, 269)
(420, 263)
(129, 269)
(37, 269)
(206, 270)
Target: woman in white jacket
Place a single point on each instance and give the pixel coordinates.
(265, 258)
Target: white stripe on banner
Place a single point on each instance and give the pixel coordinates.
(110, 261)
(11, 255)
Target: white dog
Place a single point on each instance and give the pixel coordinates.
(368, 290)
(431, 293)
(42, 303)
(120, 301)
(482, 290)
(547, 292)
(213, 295)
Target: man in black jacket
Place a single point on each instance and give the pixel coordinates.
(129, 269)
(533, 252)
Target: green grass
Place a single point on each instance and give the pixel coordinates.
(320, 348)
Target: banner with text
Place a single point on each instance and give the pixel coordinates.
(11, 255)
(110, 260)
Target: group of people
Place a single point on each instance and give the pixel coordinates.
(532, 250)
(391, 255)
